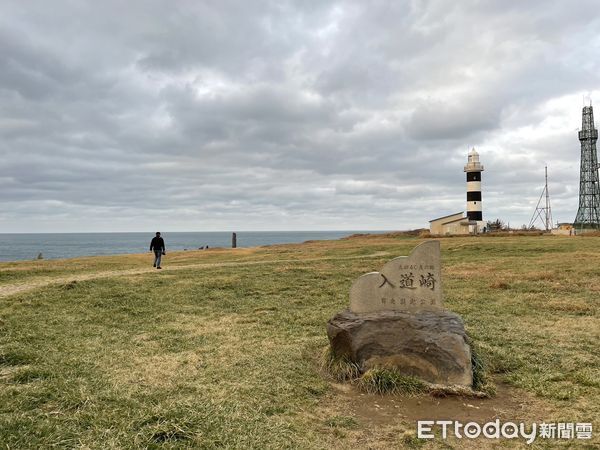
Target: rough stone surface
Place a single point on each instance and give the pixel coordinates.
(429, 344)
(411, 282)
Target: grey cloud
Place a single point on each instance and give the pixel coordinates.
(286, 114)
(459, 119)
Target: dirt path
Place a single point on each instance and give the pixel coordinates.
(377, 421)
(17, 288)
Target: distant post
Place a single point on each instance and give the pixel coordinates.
(233, 240)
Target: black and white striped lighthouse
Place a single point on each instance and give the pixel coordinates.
(473, 170)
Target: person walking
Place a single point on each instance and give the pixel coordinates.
(158, 245)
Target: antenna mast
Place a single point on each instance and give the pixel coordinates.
(543, 213)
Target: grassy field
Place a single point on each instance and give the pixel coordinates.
(222, 347)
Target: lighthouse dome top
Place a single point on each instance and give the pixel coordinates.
(473, 164)
(473, 155)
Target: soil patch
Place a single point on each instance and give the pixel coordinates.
(372, 410)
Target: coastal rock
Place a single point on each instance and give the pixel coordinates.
(429, 344)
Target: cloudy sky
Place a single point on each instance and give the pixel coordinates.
(289, 115)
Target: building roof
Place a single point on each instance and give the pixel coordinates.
(455, 220)
(444, 217)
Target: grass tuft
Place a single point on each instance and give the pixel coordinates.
(388, 381)
(171, 433)
(69, 285)
(499, 285)
(503, 361)
(14, 358)
(29, 375)
(341, 422)
(340, 369)
(410, 440)
(481, 379)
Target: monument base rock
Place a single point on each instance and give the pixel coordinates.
(429, 344)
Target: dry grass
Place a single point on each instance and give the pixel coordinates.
(220, 348)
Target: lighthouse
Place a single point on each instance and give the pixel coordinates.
(473, 169)
(454, 224)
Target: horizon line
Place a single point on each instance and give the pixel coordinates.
(208, 231)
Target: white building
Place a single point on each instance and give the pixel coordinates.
(452, 224)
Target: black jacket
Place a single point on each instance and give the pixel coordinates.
(157, 244)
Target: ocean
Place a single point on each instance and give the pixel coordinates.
(23, 246)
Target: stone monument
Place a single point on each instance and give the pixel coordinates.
(397, 320)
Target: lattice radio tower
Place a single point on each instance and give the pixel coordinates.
(588, 214)
(543, 213)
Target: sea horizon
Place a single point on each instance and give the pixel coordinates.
(64, 245)
(204, 231)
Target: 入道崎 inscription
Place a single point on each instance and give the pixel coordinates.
(406, 282)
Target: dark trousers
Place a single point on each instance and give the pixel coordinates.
(157, 255)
